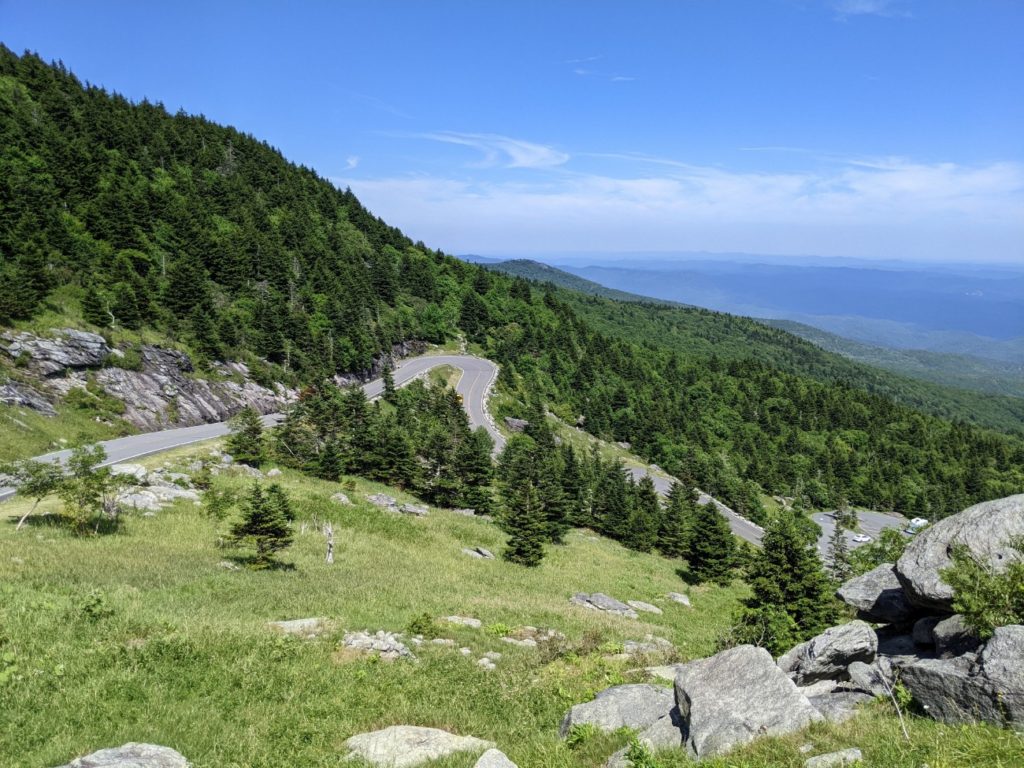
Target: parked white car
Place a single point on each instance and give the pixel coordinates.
(860, 538)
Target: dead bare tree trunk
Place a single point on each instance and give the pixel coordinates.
(329, 533)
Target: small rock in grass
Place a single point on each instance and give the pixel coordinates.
(640, 605)
(387, 645)
(838, 759)
(405, 746)
(131, 755)
(466, 651)
(679, 597)
(465, 621)
(478, 552)
(340, 498)
(417, 510)
(493, 758)
(493, 655)
(486, 663)
(275, 472)
(446, 641)
(601, 602)
(307, 629)
(382, 500)
(526, 642)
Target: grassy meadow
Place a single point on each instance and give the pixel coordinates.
(144, 635)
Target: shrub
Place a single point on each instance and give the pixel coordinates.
(987, 598)
(424, 625)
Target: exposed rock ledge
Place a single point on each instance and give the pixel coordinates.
(161, 394)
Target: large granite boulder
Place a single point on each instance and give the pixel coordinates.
(665, 733)
(878, 596)
(827, 656)
(622, 706)
(985, 529)
(404, 746)
(1002, 663)
(21, 395)
(736, 696)
(952, 690)
(131, 755)
(952, 637)
(839, 706)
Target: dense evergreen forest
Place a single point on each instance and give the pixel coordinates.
(125, 215)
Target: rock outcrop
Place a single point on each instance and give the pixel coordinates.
(623, 706)
(985, 529)
(878, 596)
(131, 755)
(494, 758)
(158, 391)
(732, 698)
(827, 656)
(405, 746)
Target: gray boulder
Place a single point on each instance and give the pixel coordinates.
(665, 733)
(385, 645)
(382, 500)
(623, 706)
(679, 597)
(341, 498)
(952, 690)
(478, 552)
(68, 349)
(1002, 663)
(404, 746)
(827, 656)
(952, 637)
(494, 758)
(640, 605)
(985, 529)
(601, 602)
(840, 759)
(867, 678)
(416, 510)
(736, 696)
(839, 706)
(516, 425)
(307, 629)
(878, 596)
(923, 631)
(131, 755)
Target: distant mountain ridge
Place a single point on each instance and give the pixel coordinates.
(984, 391)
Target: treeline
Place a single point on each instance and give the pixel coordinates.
(123, 215)
(417, 438)
(548, 487)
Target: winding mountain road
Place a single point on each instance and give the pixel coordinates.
(478, 375)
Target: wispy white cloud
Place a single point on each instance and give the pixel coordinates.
(883, 207)
(351, 162)
(887, 8)
(502, 151)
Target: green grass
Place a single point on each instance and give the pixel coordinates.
(141, 635)
(29, 433)
(444, 376)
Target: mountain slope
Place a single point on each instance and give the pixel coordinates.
(994, 403)
(119, 216)
(544, 273)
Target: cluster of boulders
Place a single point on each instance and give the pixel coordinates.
(149, 491)
(951, 673)
(391, 504)
(158, 390)
(906, 632)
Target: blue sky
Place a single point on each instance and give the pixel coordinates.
(865, 128)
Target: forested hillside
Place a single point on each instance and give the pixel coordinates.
(805, 351)
(121, 214)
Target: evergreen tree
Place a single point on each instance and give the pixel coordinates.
(390, 392)
(473, 464)
(791, 597)
(264, 524)
(645, 517)
(524, 521)
(245, 443)
(673, 534)
(329, 465)
(93, 310)
(711, 550)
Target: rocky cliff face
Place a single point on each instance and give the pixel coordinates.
(161, 392)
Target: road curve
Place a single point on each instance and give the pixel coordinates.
(478, 375)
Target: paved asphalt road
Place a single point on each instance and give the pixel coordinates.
(477, 376)
(870, 523)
